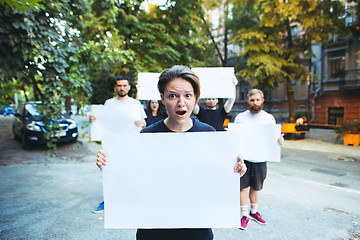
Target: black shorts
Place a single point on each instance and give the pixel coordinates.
(254, 176)
(175, 234)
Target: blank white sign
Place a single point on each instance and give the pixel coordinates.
(216, 82)
(171, 180)
(258, 143)
(147, 89)
(113, 119)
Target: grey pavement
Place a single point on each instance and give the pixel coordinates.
(54, 200)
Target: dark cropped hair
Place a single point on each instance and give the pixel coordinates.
(182, 72)
(120, 77)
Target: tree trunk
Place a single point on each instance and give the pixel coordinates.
(226, 30)
(67, 103)
(26, 96)
(291, 102)
(213, 41)
(290, 90)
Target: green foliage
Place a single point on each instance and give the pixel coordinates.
(22, 5)
(7, 93)
(71, 49)
(274, 54)
(42, 54)
(264, 29)
(134, 40)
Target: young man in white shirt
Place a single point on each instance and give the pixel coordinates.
(252, 181)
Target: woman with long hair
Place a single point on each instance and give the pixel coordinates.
(154, 112)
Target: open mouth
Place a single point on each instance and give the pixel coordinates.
(180, 112)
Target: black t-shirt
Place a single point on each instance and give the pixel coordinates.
(150, 119)
(181, 233)
(214, 118)
(161, 127)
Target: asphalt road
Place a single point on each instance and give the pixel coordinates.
(313, 193)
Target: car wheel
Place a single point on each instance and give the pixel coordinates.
(16, 137)
(24, 142)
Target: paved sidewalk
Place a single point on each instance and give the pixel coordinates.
(323, 140)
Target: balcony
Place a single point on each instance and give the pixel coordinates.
(351, 80)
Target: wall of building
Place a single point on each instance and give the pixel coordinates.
(349, 101)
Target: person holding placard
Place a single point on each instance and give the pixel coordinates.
(122, 87)
(213, 115)
(179, 88)
(252, 181)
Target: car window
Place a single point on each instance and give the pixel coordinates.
(33, 109)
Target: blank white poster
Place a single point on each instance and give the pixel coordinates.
(171, 180)
(216, 82)
(147, 86)
(113, 120)
(258, 143)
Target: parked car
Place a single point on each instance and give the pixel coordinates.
(7, 110)
(28, 125)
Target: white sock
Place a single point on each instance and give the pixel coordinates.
(244, 210)
(254, 207)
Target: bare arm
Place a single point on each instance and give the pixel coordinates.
(230, 102)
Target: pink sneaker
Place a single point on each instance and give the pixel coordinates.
(257, 218)
(244, 222)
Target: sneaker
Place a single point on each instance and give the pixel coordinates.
(100, 208)
(257, 218)
(244, 222)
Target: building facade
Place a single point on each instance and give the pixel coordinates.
(332, 92)
(335, 97)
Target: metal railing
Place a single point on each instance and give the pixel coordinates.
(351, 79)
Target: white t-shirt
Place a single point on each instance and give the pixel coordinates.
(260, 118)
(130, 104)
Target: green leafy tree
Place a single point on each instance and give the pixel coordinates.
(104, 50)
(40, 53)
(141, 41)
(274, 54)
(22, 5)
(62, 50)
(168, 35)
(184, 25)
(221, 36)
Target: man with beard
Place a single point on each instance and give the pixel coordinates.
(252, 181)
(122, 87)
(213, 115)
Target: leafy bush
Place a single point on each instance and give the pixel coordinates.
(347, 128)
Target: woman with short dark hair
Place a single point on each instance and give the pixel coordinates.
(179, 89)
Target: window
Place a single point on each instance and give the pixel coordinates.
(243, 92)
(294, 31)
(337, 64)
(335, 115)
